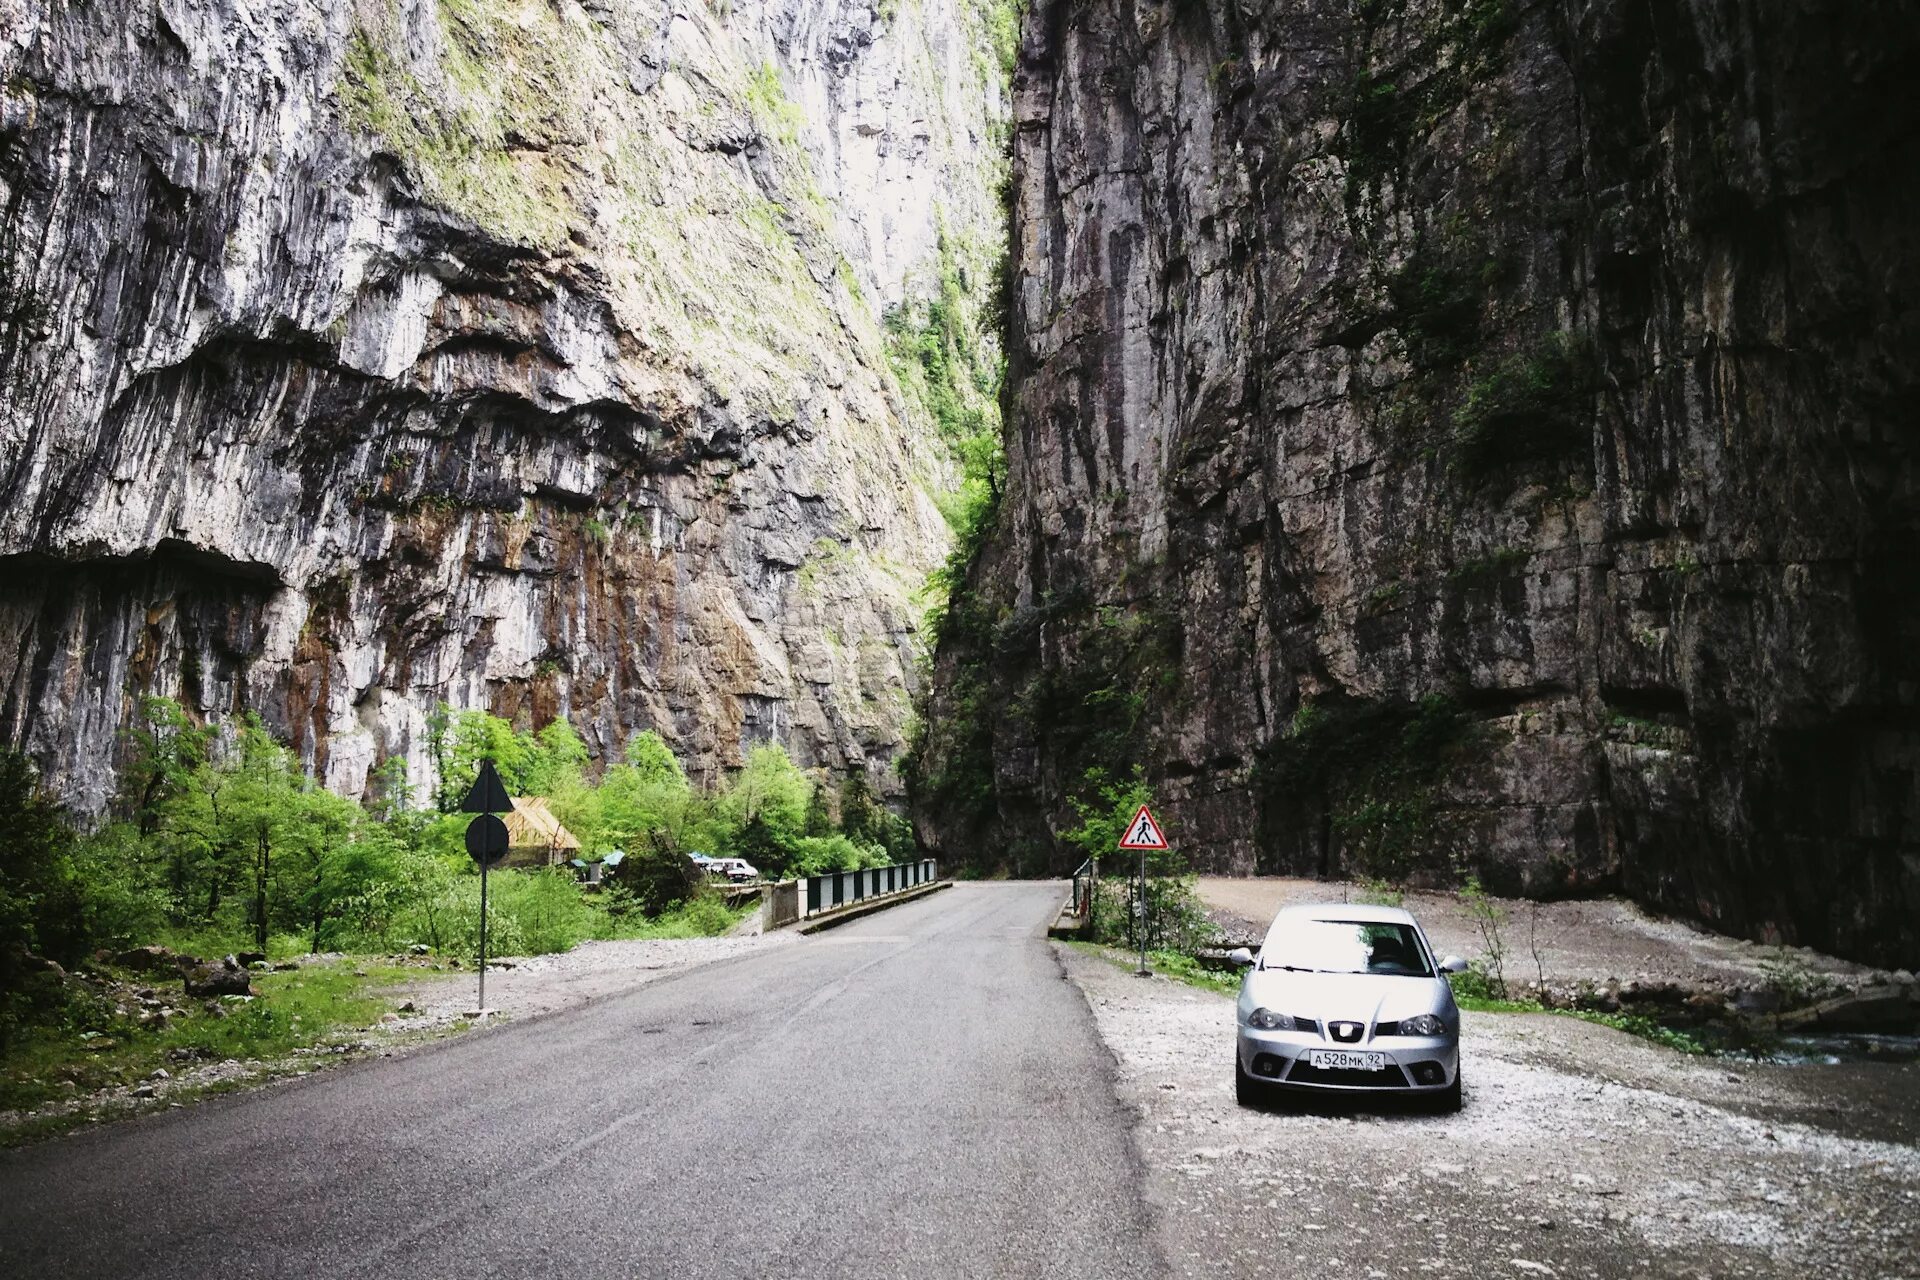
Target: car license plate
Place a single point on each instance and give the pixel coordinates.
(1345, 1060)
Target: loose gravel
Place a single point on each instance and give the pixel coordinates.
(1581, 1151)
(1603, 941)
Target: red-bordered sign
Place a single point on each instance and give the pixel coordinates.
(1143, 832)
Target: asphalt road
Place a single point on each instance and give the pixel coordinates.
(919, 1093)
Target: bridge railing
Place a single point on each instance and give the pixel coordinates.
(792, 900)
(844, 888)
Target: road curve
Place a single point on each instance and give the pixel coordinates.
(919, 1093)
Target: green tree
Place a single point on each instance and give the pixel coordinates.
(257, 811)
(168, 749)
(447, 792)
(327, 862)
(40, 900)
(819, 819)
(41, 909)
(766, 809)
(479, 735)
(861, 815)
(646, 794)
(392, 790)
(653, 761)
(772, 789)
(555, 758)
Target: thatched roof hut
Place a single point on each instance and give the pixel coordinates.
(535, 838)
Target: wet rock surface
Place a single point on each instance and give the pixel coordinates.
(1463, 437)
(1579, 1152)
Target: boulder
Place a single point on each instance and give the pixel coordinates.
(247, 959)
(227, 978)
(148, 959)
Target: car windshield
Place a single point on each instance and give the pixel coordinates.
(1348, 946)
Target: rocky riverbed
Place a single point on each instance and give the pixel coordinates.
(1609, 954)
(1581, 1151)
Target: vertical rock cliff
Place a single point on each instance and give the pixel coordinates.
(525, 354)
(1464, 435)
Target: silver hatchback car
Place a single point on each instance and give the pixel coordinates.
(1347, 998)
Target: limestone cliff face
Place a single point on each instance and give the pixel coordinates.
(1465, 435)
(519, 353)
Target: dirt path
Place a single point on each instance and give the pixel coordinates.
(1580, 1152)
(1605, 942)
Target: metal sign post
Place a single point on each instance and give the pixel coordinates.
(1144, 971)
(1143, 833)
(487, 844)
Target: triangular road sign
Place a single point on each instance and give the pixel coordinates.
(489, 795)
(1143, 832)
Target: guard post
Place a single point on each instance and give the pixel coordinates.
(486, 844)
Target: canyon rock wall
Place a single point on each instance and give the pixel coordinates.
(525, 354)
(1463, 436)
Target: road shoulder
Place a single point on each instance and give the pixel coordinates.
(1581, 1152)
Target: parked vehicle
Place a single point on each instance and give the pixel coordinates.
(1347, 998)
(737, 870)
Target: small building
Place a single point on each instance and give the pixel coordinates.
(535, 838)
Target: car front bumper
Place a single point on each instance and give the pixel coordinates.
(1413, 1064)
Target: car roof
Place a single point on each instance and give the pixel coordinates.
(1357, 912)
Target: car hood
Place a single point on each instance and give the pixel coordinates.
(1344, 997)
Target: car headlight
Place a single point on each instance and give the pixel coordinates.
(1426, 1024)
(1268, 1020)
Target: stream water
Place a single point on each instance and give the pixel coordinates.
(1757, 1042)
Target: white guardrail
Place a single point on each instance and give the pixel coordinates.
(792, 900)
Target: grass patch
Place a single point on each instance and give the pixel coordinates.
(101, 1044)
(707, 916)
(1176, 965)
(1472, 998)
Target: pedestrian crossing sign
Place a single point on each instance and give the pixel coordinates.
(1143, 832)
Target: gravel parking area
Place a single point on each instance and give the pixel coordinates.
(1581, 1151)
(1602, 941)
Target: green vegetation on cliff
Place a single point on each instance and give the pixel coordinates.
(1370, 772)
(944, 345)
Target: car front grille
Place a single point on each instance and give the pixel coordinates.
(1305, 1072)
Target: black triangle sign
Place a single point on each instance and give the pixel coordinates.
(489, 794)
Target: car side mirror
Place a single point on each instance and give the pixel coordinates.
(1240, 956)
(1453, 964)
